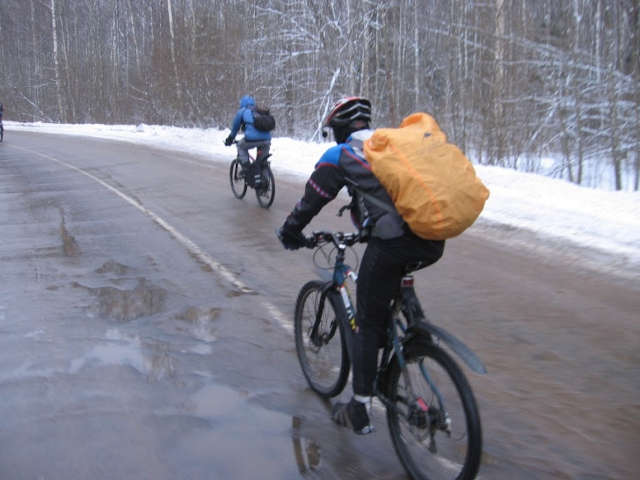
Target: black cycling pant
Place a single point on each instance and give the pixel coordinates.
(379, 277)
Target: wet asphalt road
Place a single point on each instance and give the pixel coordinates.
(145, 332)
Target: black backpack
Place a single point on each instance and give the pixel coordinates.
(262, 119)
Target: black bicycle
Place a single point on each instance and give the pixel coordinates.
(261, 178)
(431, 411)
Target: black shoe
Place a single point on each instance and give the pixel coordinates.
(353, 415)
(248, 176)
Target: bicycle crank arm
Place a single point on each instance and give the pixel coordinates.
(464, 352)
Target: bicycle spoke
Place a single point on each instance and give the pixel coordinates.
(323, 359)
(434, 423)
(265, 191)
(238, 184)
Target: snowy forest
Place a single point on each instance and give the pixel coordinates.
(512, 82)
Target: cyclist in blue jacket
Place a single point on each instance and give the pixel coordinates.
(253, 138)
(391, 245)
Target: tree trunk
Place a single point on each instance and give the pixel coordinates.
(416, 55)
(614, 140)
(172, 48)
(35, 75)
(578, 84)
(499, 83)
(56, 63)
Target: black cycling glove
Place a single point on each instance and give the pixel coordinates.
(291, 238)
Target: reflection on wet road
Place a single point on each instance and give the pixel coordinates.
(126, 353)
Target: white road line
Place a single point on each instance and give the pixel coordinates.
(280, 317)
(191, 246)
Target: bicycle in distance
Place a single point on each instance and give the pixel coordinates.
(431, 412)
(257, 176)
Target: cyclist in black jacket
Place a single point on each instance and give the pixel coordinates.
(391, 245)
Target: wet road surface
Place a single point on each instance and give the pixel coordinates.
(145, 332)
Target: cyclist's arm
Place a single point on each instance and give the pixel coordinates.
(322, 187)
(237, 123)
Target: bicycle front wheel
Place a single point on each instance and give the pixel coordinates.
(320, 342)
(433, 417)
(266, 191)
(236, 177)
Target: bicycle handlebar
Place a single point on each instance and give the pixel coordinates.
(337, 238)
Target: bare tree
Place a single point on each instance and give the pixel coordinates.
(509, 80)
(56, 62)
(172, 48)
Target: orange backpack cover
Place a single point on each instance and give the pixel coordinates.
(430, 181)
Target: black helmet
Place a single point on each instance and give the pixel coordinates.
(348, 109)
(348, 115)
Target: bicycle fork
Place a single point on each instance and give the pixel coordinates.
(341, 287)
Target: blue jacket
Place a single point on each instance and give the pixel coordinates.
(244, 116)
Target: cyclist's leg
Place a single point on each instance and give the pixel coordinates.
(263, 151)
(243, 158)
(382, 267)
(243, 152)
(378, 283)
(381, 270)
(377, 278)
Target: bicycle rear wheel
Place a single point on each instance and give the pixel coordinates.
(320, 342)
(236, 178)
(266, 191)
(435, 424)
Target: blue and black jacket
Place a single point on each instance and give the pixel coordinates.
(344, 165)
(244, 118)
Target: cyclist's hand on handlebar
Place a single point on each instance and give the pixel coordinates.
(311, 241)
(291, 239)
(228, 141)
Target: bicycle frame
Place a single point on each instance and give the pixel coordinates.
(337, 281)
(407, 303)
(421, 411)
